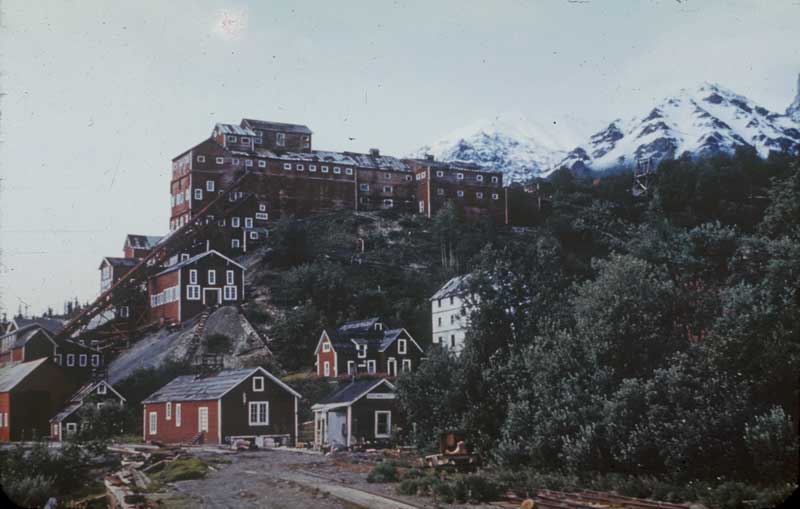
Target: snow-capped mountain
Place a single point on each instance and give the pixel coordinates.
(701, 122)
(793, 111)
(509, 143)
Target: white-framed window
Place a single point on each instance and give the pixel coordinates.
(212, 276)
(495, 196)
(193, 276)
(406, 365)
(177, 415)
(287, 166)
(253, 235)
(96, 362)
(220, 160)
(337, 170)
(387, 189)
(401, 346)
(169, 411)
(153, 423)
(124, 311)
(258, 384)
(193, 292)
(371, 367)
(258, 414)
(229, 293)
(235, 243)
(383, 423)
(300, 167)
(363, 187)
(408, 178)
(280, 139)
(348, 171)
(362, 351)
(459, 176)
(324, 169)
(83, 359)
(201, 159)
(262, 164)
(102, 389)
(248, 222)
(326, 369)
(479, 178)
(72, 427)
(312, 167)
(388, 203)
(439, 173)
(351, 367)
(198, 194)
(421, 206)
(202, 418)
(235, 222)
(232, 139)
(210, 186)
(262, 207)
(262, 216)
(326, 347)
(184, 257)
(460, 193)
(229, 274)
(236, 162)
(479, 196)
(58, 359)
(494, 180)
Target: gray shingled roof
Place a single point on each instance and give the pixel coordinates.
(52, 325)
(266, 125)
(11, 376)
(234, 129)
(24, 334)
(453, 288)
(352, 392)
(212, 387)
(194, 258)
(380, 162)
(66, 412)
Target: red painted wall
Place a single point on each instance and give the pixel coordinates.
(170, 310)
(326, 356)
(168, 432)
(5, 406)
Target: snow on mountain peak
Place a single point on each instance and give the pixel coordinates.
(793, 111)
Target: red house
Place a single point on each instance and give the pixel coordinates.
(139, 246)
(187, 288)
(27, 343)
(232, 404)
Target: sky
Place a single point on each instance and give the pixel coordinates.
(98, 96)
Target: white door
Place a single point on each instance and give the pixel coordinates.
(202, 419)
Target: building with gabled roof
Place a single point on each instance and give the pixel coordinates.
(450, 313)
(27, 343)
(360, 412)
(366, 346)
(30, 393)
(139, 246)
(248, 403)
(68, 420)
(53, 325)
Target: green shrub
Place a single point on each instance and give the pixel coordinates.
(443, 492)
(29, 491)
(730, 495)
(383, 472)
(182, 469)
(219, 343)
(475, 488)
(772, 445)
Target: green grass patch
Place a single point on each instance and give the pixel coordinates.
(182, 469)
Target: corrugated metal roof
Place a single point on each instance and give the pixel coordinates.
(379, 162)
(453, 288)
(353, 391)
(52, 325)
(24, 334)
(143, 241)
(212, 387)
(234, 129)
(11, 376)
(194, 258)
(315, 156)
(266, 125)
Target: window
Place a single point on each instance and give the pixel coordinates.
(259, 413)
(258, 384)
(312, 167)
(383, 423)
(72, 427)
(371, 367)
(229, 293)
(351, 367)
(212, 277)
(363, 187)
(453, 340)
(187, 195)
(408, 178)
(193, 292)
(439, 173)
(153, 423)
(192, 277)
(262, 164)
(452, 300)
(82, 359)
(184, 257)
(124, 312)
(220, 160)
(236, 162)
(326, 368)
(229, 277)
(58, 359)
(421, 206)
(262, 207)
(440, 321)
(401, 346)
(495, 196)
(253, 235)
(362, 351)
(244, 140)
(299, 167)
(177, 415)
(479, 196)
(459, 176)
(169, 411)
(387, 189)
(460, 193)
(406, 365)
(337, 170)
(280, 139)
(235, 222)
(96, 362)
(441, 340)
(287, 166)
(388, 203)
(248, 222)
(210, 186)
(326, 347)
(494, 180)
(479, 178)
(348, 171)
(202, 419)
(232, 139)
(440, 191)
(235, 243)
(262, 216)
(198, 194)
(324, 169)
(201, 159)
(102, 389)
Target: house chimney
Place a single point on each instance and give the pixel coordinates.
(429, 157)
(374, 152)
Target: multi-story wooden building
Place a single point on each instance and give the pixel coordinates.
(69, 420)
(186, 288)
(365, 346)
(139, 246)
(450, 313)
(383, 182)
(222, 407)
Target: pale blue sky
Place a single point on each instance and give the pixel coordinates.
(99, 96)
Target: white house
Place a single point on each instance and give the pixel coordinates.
(450, 313)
